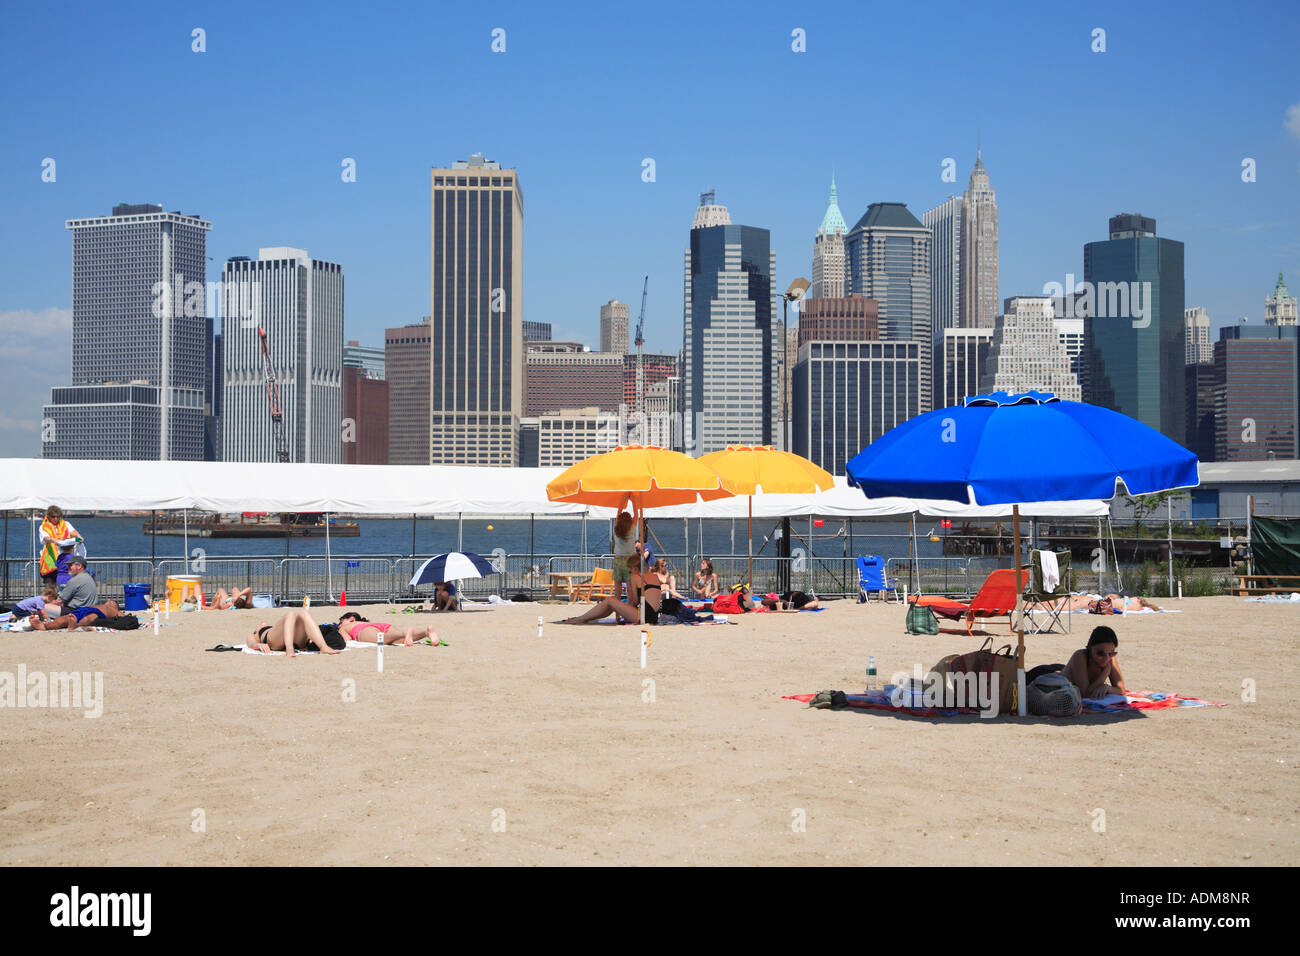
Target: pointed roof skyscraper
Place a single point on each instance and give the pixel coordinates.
(834, 219)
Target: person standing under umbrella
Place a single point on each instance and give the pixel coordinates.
(623, 545)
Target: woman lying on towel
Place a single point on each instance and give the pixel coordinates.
(76, 618)
(791, 601)
(294, 632)
(236, 598)
(1093, 669)
(1084, 602)
(629, 612)
(357, 628)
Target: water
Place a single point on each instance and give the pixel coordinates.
(122, 536)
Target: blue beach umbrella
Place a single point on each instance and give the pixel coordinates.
(1008, 449)
(453, 566)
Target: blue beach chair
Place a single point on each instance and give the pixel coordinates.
(871, 577)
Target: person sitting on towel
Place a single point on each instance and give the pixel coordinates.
(1093, 669)
(444, 596)
(706, 581)
(237, 598)
(629, 612)
(294, 632)
(357, 628)
(77, 617)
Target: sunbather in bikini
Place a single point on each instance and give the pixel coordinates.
(357, 628)
(628, 611)
(237, 598)
(76, 618)
(1080, 602)
(293, 632)
(1093, 669)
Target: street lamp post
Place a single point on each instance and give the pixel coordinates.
(797, 288)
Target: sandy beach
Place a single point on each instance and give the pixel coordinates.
(503, 748)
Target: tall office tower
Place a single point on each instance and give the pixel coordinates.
(1197, 347)
(848, 394)
(1199, 379)
(613, 326)
(888, 256)
(944, 222)
(1280, 308)
(212, 427)
(477, 287)
(140, 331)
(828, 252)
(853, 318)
(789, 359)
(556, 380)
(979, 252)
(1256, 416)
(1133, 336)
(537, 331)
(965, 356)
(406, 369)
(365, 418)
(730, 346)
(655, 367)
(1026, 353)
(298, 302)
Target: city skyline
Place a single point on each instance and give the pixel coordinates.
(1051, 190)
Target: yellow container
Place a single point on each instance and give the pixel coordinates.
(182, 587)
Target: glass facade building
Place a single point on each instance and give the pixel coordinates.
(731, 346)
(1134, 347)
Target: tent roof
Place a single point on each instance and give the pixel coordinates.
(232, 487)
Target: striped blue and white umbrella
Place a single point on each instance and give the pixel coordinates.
(453, 566)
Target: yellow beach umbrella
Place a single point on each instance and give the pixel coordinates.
(762, 469)
(646, 475)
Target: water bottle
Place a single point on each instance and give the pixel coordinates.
(871, 674)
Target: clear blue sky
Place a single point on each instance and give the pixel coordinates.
(251, 133)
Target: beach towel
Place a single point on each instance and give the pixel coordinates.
(1140, 700)
(1051, 570)
(1292, 598)
(351, 645)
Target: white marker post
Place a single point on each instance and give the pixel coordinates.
(645, 642)
(167, 608)
(539, 625)
(379, 663)
(1022, 701)
(155, 617)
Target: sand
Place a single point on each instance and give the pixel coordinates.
(503, 748)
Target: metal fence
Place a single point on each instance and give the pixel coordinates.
(373, 578)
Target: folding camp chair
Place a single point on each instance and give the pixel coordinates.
(1052, 602)
(600, 586)
(871, 577)
(995, 598)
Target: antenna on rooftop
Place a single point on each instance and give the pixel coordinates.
(708, 198)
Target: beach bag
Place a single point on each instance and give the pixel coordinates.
(1101, 606)
(986, 660)
(123, 622)
(921, 620)
(263, 600)
(1054, 695)
(727, 604)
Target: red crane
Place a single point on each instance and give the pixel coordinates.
(273, 396)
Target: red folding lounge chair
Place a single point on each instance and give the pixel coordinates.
(996, 597)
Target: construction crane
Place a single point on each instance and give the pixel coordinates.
(273, 396)
(639, 341)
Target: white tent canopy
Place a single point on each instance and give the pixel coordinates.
(35, 483)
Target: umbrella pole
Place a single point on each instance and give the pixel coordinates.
(1022, 704)
(329, 561)
(749, 570)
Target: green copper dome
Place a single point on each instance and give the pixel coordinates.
(834, 219)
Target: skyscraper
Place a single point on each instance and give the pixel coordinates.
(828, 252)
(979, 253)
(1255, 393)
(1134, 333)
(140, 331)
(965, 355)
(944, 222)
(888, 259)
(1197, 347)
(613, 326)
(537, 331)
(731, 343)
(476, 310)
(298, 302)
(406, 369)
(1026, 352)
(1280, 308)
